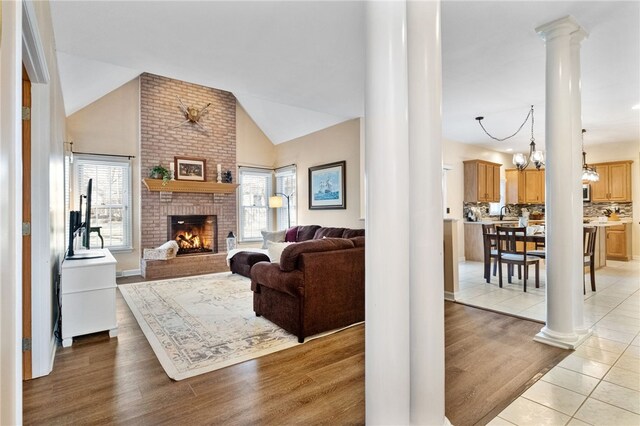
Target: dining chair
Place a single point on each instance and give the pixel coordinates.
(490, 250)
(510, 253)
(589, 235)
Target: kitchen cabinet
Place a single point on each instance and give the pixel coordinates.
(619, 242)
(481, 181)
(614, 183)
(525, 187)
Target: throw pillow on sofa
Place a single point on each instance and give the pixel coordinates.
(274, 250)
(273, 236)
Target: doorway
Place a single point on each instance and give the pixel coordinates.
(26, 226)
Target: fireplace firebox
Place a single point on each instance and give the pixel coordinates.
(195, 234)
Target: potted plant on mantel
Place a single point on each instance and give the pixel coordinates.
(160, 172)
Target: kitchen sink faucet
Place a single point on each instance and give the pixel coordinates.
(504, 209)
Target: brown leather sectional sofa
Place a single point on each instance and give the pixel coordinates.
(317, 286)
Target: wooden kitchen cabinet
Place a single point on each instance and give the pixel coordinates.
(525, 187)
(481, 181)
(614, 183)
(619, 242)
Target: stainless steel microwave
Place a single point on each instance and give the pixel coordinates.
(586, 192)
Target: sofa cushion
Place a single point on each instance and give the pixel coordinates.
(358, 241)
(306, 232)
(328, 233)
(269, 275)
(275, 236)
(275, 250)
(291, 235)
(350, 233)
(289, 258)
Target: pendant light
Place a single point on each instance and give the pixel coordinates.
(521, 160)
(589, 174)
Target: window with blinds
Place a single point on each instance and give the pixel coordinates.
(286, 184)
(111, 198)
(255, 189)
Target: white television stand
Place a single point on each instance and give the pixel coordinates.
(88, 290)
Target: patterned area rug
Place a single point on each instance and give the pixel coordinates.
(202, 323)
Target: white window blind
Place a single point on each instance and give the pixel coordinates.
(286, 184)
(111, 198)
(255, 189)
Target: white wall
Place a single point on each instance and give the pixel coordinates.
(47, 124)
(10, 215)
(111, 125)
(623, 151)
(336, 143)
(453, 154)
(47, 198)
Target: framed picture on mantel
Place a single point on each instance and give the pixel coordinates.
(327, 186)
(191, 168)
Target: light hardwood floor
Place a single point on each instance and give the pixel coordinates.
(119, 381)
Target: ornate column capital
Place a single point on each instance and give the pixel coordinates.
(560, 27)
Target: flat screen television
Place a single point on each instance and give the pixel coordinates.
(78, 227)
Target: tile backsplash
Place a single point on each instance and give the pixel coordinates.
(590, 209)
(597, 209)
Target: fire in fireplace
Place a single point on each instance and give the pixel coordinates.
(195, 234)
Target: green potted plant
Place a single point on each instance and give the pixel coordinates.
(160, 172)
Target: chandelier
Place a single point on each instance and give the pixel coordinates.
(589, 174)
(521, 160)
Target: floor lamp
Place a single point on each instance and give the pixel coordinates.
(275, 202)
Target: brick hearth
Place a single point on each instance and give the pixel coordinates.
(183, 266)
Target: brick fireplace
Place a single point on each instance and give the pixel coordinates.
(195, 234)
(163, 138)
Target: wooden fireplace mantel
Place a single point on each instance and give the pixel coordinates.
(190, 186)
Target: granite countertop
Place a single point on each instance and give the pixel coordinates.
(593, 221)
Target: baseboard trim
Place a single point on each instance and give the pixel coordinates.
(129, 273)
(461, 259)
(54, 349)
(636, 257)
(450, 296)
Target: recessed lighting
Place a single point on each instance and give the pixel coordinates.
(636, 106)
(509, 149)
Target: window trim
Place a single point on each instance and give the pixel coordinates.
(269, 191)
(112, 160)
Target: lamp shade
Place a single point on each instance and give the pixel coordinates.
(275, 202)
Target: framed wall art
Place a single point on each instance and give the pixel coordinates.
(327, 186)
(191, 169)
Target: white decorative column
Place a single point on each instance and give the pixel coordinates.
(404, 363)
(387, 347)
(426, 224)
(576, 167)
(563, 257)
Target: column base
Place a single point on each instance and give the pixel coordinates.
(562, 340)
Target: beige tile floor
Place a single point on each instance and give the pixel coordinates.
(599, 383)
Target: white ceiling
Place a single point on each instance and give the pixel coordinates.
(298, 67)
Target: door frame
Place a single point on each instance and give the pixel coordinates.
(26, 219)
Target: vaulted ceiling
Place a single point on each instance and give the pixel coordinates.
(298, 67)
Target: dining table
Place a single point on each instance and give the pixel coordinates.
(535, 234)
